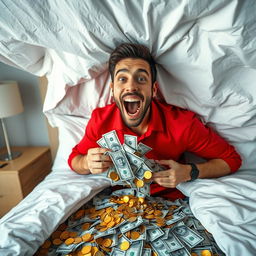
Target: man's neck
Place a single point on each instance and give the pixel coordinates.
(143, 127)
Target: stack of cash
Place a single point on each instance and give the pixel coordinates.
(131, 167)
(129, 222)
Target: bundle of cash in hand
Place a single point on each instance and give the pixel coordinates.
(129, 222)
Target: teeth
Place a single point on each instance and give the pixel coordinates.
(131, 100)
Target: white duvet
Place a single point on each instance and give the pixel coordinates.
(206, 54)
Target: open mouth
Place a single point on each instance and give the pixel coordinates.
(132, 104)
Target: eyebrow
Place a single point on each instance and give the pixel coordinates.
(137, 71)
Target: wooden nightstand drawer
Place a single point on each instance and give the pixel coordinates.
(35, 172)
(21, 175)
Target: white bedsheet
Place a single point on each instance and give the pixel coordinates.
(206, 54)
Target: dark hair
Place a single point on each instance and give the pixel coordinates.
(127, 50)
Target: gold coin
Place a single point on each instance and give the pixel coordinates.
(79, 214)
(64, 235)
(73, 234)
(135, 235)
(158, 213)
(107, 219)
(86, 249)
(206, 253)
(56, 234)
(69, 241)
(147, 175)
(85, 226)
(139, 183)
(154, 254)
(124, 246)
(114, 176)
(57, 241)
(126, 199)
(132, 219)
(87, 237)
(62, 227)
(78, 240)
(111, 224)
(46, 244)
(107, 242)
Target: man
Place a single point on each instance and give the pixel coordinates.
(169, 130)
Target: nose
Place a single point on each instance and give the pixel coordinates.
(131, 86)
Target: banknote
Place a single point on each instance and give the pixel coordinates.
(131, 141)
(112, 141)
(122, 165)
(143, 149)
(187, 235)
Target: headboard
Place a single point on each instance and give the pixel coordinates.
(52, 131)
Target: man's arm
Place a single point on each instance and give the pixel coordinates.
(178, 173)
(94, 162)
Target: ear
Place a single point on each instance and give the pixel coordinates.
(111, 86)
(154, 89)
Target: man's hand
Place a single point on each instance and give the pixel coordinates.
(171, 177)
(97, 162)
(94, 162)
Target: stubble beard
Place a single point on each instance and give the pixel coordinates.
(139, 121)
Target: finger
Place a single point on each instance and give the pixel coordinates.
(165, 183)
(99, 170)
(164, 162)
(100, 157)
(100, 165)
(97, 150)
(165, 173)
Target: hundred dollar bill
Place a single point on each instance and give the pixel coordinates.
(181, 252)
(146, 252)
(117, 252)
(160, 247)
(173, 242)
(131, 141)
(135, 249)
(143, 149)
(112, 141)
(122, 165)
(131, 225)
(154, 234)
(128, 148)
(135, 160)
(102, 142)
(187, 235)
(175, 218)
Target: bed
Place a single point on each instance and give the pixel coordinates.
(206, 55)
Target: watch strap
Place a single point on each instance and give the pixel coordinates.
(194, 173)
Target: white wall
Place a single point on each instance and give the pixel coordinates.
(28, 128)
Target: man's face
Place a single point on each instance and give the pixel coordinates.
(133, 90)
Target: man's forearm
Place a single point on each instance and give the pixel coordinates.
(213, 169)
(80, 165)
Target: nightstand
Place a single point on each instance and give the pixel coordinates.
(21, 175)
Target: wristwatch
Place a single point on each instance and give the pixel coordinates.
(194, 172)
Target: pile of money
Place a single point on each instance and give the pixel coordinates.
(129, 222)
(131, 166)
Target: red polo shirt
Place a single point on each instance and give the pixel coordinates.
(170, 133)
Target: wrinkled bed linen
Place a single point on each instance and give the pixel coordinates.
(206, 55)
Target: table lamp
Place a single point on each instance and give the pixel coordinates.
(10, 105)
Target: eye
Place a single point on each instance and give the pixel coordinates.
(121, 79)
(141, 79)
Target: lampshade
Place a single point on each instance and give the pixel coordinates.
(10, 100)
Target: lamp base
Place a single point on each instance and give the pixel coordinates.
(7, 157)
